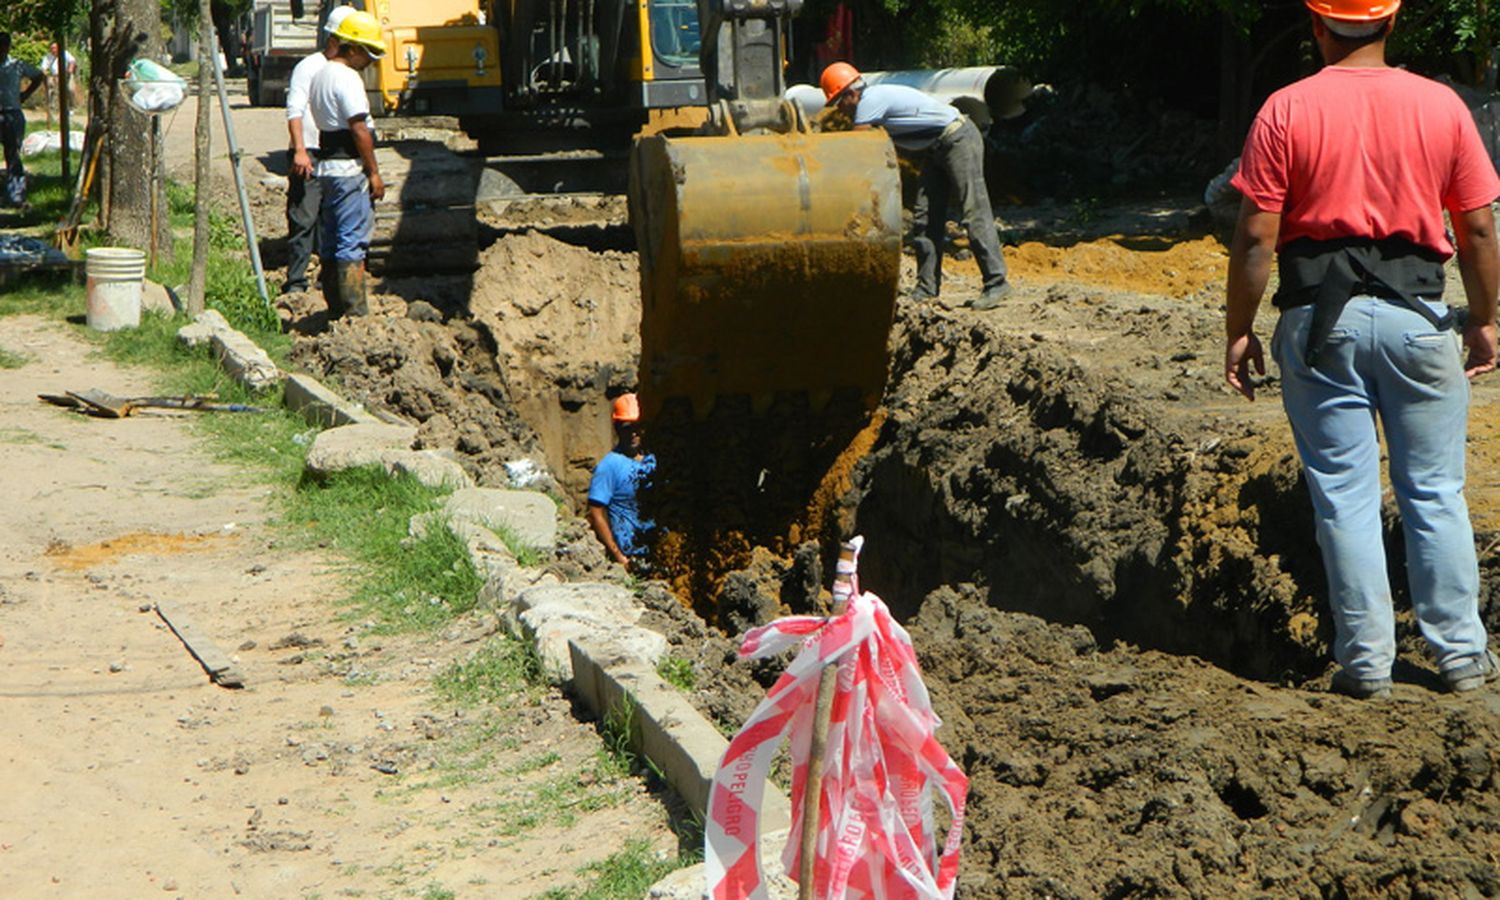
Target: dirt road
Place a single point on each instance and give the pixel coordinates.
(334, 771)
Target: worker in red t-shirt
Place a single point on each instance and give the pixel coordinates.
(1346, 175)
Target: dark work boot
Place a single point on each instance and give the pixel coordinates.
(352, 288)
(328, 279)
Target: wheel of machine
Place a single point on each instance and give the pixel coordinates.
(252, 85)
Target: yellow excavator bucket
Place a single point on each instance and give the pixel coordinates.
(769, 264)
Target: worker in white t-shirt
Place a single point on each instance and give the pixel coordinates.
(348, 175)
(51, 70)
(302, 195)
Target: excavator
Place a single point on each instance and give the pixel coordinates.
(769, 251)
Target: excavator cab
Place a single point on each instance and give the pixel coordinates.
(769, 253)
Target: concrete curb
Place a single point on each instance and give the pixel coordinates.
(241, 358)
(320, 406)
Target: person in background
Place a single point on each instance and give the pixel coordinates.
(348, 175)
(53, 84)
(303, 197)
(12, 121)
(614, 512)
(950, 151)
(1346, 176)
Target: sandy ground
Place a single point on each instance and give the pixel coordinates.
(128, 773)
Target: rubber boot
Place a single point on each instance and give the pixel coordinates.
(353, 290)
(332, 295)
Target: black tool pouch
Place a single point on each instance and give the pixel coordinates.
(1326, 274)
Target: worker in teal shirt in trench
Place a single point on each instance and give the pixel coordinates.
(613, 510)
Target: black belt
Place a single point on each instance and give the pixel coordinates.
(336, 145)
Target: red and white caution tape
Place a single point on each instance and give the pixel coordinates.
(876, 836)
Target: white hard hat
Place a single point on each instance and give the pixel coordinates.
(336, 17)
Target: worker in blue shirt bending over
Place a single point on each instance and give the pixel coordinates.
(951, 150)
(613, 511)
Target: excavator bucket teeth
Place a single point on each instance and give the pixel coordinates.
(769, 264)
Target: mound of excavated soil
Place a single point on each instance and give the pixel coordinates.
(1128, 773)
(550, 334)
(1073, 493)
(443, 377)
(569, 321)
(1140, 265)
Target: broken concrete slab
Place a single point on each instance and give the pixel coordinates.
(204, 326)
(352, 446)
(426, 466)
(320, 406)
(552, 615)
(158, 298)
(689, 883)
(529, 516)
(478, 539)
(244, 361)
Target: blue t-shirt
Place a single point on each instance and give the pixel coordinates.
(912, 118)
(616, 481)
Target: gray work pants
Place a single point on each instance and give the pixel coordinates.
(12, 129)
(955, 165)
(304, 196)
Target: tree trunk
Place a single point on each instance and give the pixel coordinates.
(101, 94)
(198, 281)
(136, 168)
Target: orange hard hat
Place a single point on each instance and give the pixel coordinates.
(1354, 10)
(836, 79)
(627, 409)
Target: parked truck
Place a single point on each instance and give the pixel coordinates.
(282, 32)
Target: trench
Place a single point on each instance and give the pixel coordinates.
(995, 461)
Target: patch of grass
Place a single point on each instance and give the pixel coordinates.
(438, 892)
(23, 436)
(618, 756)
(47, 192)
(677, 672)
(526, 555)
(625, 875)
(51, 295)
(9, 359)
(272, 442)
(500, 669)
(405, 583)
(536, 763)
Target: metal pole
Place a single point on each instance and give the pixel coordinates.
(155, 182)
(239, 179)
(812, 793)
(64, 85)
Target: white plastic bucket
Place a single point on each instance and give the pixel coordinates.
(114, 287)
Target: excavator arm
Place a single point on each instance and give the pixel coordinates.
(770, 254)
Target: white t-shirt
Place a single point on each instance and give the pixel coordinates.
(296, 96)
(337, 95)
(49, 63)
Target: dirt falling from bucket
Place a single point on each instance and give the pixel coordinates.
(737, 481)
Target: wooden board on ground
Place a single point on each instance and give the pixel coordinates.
(220, 668)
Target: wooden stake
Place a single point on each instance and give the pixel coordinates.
(828, 679)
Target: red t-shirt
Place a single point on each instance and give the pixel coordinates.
(1356, 152)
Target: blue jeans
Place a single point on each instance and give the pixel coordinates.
(1385, 361)
(348, 219)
